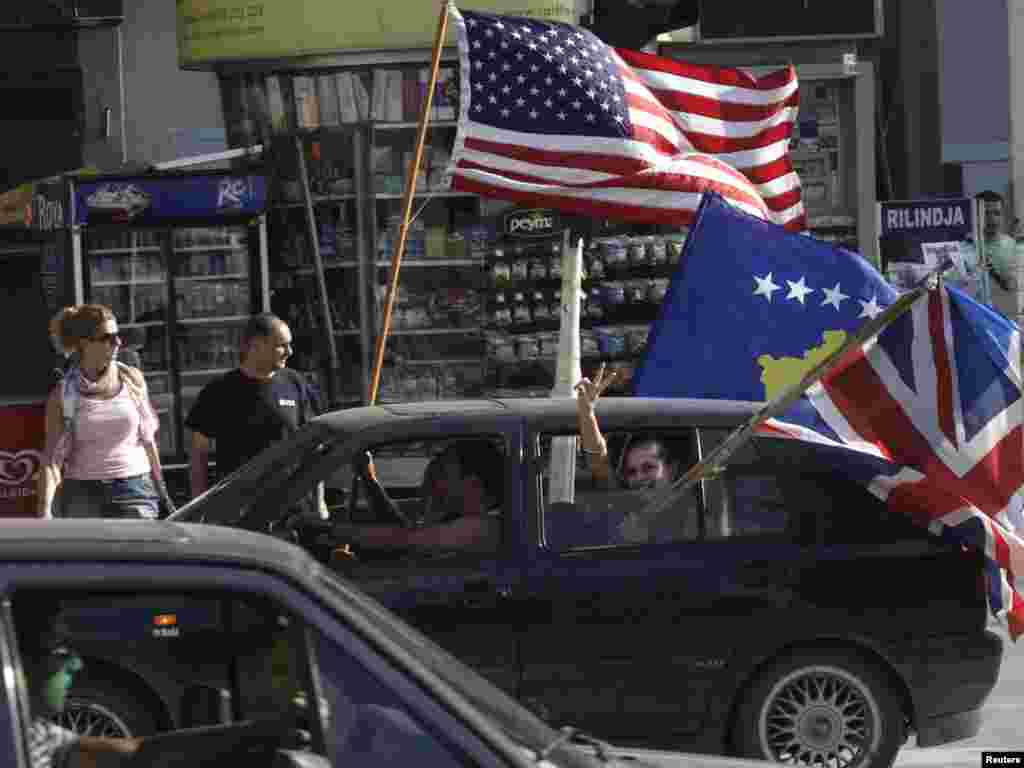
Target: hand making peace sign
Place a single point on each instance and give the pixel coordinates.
(588, 392)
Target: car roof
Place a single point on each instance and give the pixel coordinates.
(540, 410)
(100, 540)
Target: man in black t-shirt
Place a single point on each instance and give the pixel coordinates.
(252, 407)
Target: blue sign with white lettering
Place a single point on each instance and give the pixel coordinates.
(139, 201)
(917, 236)
(934, 220)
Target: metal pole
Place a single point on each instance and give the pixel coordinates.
(264, 266)
(318, 268)
(365, 257)
(410, 189)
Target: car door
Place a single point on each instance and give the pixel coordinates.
(462, 600)
(634, 641)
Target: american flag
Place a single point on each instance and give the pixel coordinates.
(550, 115)
(927, 415)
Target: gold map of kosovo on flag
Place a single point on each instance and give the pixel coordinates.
(778, 374)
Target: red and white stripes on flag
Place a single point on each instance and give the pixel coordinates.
(550, 115)
(743, 120)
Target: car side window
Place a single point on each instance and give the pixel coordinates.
(234, 658)
(367, 724)
(439, 494)
(596, 510)
(751, 503)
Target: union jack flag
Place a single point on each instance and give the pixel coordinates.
(932, 406)
(551, 115)
(927, 415)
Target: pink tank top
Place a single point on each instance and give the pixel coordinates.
(106, 443)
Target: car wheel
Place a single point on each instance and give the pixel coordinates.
(820, 709)
(93, 709)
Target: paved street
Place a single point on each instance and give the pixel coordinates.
(1003, 728)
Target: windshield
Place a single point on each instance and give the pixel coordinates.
(508, 715)
(230, 500)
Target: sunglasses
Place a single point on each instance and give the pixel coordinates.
(108, 338)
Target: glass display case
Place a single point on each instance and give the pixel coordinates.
(184, 344)
(127, 271)
(181, 260)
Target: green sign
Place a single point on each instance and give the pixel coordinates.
(211, 31)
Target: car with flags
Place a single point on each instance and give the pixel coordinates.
(782, 611)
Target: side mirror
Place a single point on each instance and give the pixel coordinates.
(205, 705)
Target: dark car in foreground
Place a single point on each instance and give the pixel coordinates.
(281, 663)
(791, 617)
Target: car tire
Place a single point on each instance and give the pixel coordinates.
(820, 708)
(106, 709)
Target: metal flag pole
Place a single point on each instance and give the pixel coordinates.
(715, 461)
(410, 189)
(318, 270)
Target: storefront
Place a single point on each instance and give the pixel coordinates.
(181, 260)
(476, 311)
(338, 103)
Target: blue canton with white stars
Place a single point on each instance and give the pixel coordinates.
(543, 77)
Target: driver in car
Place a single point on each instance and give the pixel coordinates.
(464, 488)
(50, 666)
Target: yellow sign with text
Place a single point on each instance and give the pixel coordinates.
(212, 31)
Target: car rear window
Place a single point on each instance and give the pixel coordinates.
(850, 514)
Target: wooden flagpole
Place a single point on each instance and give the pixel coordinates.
(410, 189)
(715, 461)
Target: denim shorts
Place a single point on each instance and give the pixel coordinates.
(123, 497)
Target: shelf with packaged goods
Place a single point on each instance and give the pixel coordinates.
(140, 281)
(208, 248)
(407, 125)
(319, 200)
(424, 193)
(306, 270)
(434, 263)
(213, 319)
(441, 361)
(225, 276)
(434, 331)
(112, 251)
(206, 371)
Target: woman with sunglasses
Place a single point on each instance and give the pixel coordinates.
(100, 427)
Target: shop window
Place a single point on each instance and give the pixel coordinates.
(238, 657)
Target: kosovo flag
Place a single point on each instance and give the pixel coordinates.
(927, 415)
(752, 307)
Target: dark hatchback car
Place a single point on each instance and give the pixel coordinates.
(782, 613)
